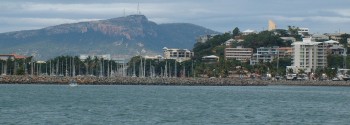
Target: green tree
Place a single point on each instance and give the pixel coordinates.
(290, 71)
(236, 32)
(335, 61)
(301, 71)
(20, 71)
(210, 47)
(282, 32)
(262, 39)
(293, 31)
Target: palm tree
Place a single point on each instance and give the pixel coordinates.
(301, 71)
(94, 67)
(87, 63)
(290, 71)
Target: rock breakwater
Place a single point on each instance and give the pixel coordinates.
(91, 80)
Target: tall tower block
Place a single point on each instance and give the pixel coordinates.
(272, 25)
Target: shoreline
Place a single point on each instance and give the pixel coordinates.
(92, 80)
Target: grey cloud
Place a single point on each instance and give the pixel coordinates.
(220, 15)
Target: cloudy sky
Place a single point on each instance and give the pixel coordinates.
(221, 15)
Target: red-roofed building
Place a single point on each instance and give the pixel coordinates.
(11, 56)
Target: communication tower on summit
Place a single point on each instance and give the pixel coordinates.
(138, 9)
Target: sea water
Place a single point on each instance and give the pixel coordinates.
(173, 105)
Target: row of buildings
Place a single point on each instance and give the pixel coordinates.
(307, 55)
(262, 55)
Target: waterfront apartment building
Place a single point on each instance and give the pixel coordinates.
(268, 54)
(178, 54)
(264, 54)
(285, 52)
(310, 55)
(334, 48)
(239, 53)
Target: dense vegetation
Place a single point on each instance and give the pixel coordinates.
(262, 39)
(214, 46)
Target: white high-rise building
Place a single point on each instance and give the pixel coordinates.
(309, 55)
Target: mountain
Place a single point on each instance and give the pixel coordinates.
(123, 36)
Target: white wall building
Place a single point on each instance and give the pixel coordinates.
(157, 57)
(248, 31)
(210, 59)
(229, 42)
(178, 54)
(308, 55)
(334, 36)
(319, 37)
(303, 31)
(334, 47)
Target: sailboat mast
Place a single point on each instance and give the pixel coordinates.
(133, 72)
(57, 66)
(73, 62)
(175, 69)
(144, 68)
(66, 67)
(344, 57)
(150, 69)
